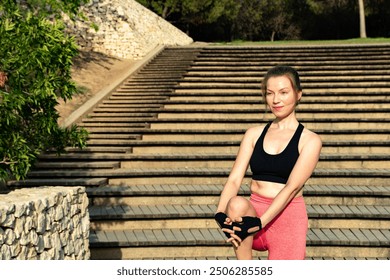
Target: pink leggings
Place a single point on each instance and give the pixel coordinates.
(285, 236)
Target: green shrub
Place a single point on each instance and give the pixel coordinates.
(35, 64)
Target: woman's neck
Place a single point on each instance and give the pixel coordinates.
(289, 122)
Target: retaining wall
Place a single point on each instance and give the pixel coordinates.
(44, 223)
(126, 29)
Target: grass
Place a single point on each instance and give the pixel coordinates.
(311, 42)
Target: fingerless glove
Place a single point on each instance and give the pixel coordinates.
(220, 218)
(249, 225)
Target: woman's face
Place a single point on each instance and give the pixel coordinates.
(281, 97)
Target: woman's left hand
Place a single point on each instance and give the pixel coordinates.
(242, 228)
(234, 236)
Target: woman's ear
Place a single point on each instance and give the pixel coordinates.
(299, 96)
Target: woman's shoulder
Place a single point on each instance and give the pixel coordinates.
(255, 130)
(310, 138)
(253, 133)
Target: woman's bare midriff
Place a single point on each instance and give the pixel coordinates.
(268, 189)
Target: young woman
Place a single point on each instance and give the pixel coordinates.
(282, 156)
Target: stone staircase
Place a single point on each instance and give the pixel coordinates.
(162, 144)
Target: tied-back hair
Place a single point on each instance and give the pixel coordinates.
(281, 70)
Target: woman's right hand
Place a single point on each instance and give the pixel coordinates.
(224, 223)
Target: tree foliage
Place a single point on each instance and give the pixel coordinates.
(213, 20)
(164, 8)
(377, 17)
(189, 14)
(35, 63)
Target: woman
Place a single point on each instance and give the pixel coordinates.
(282, 156)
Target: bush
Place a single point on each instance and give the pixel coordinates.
(35, 63)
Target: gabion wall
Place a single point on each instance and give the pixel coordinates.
(44, 223)
(126, 29)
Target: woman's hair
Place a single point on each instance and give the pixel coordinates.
(281, 70)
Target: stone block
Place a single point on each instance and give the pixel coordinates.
(37, 223)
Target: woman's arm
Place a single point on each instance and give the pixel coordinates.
(301, 172)
(239, 168)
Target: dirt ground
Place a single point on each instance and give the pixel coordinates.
(92, 72)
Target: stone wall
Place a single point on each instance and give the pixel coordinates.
(44, 223)
(126, 29)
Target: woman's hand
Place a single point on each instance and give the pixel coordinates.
(224, 223)
(242, 227)
(247, 225)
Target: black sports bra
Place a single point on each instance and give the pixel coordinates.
(274, 168)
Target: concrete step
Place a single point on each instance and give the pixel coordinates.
(128, 106)
(166, 216)
(209, 194)
(203, 135)
(53, 165)
(156, 157)
(200, 124)
(238, 119)
(254, 59)
(91, 150)
(296, 60)
(309, 91)
(299, 51)
(101, 112)
(249, 115)
(306, 50)
(249, 98)
(191, 210)
(230, 135)
(201, 160)
(309, 83)
(224, 147)
(308, 118)
(193, 243)
(306, 80)
(141, 172)
(215, 67)
(164, 189)
(219, 175)
(304, 74)
(264, 52)
(210, 175)
(58, 182)
(345, 95)
(326, 161)
(241, 131)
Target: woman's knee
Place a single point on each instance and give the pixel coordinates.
(239, 206)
